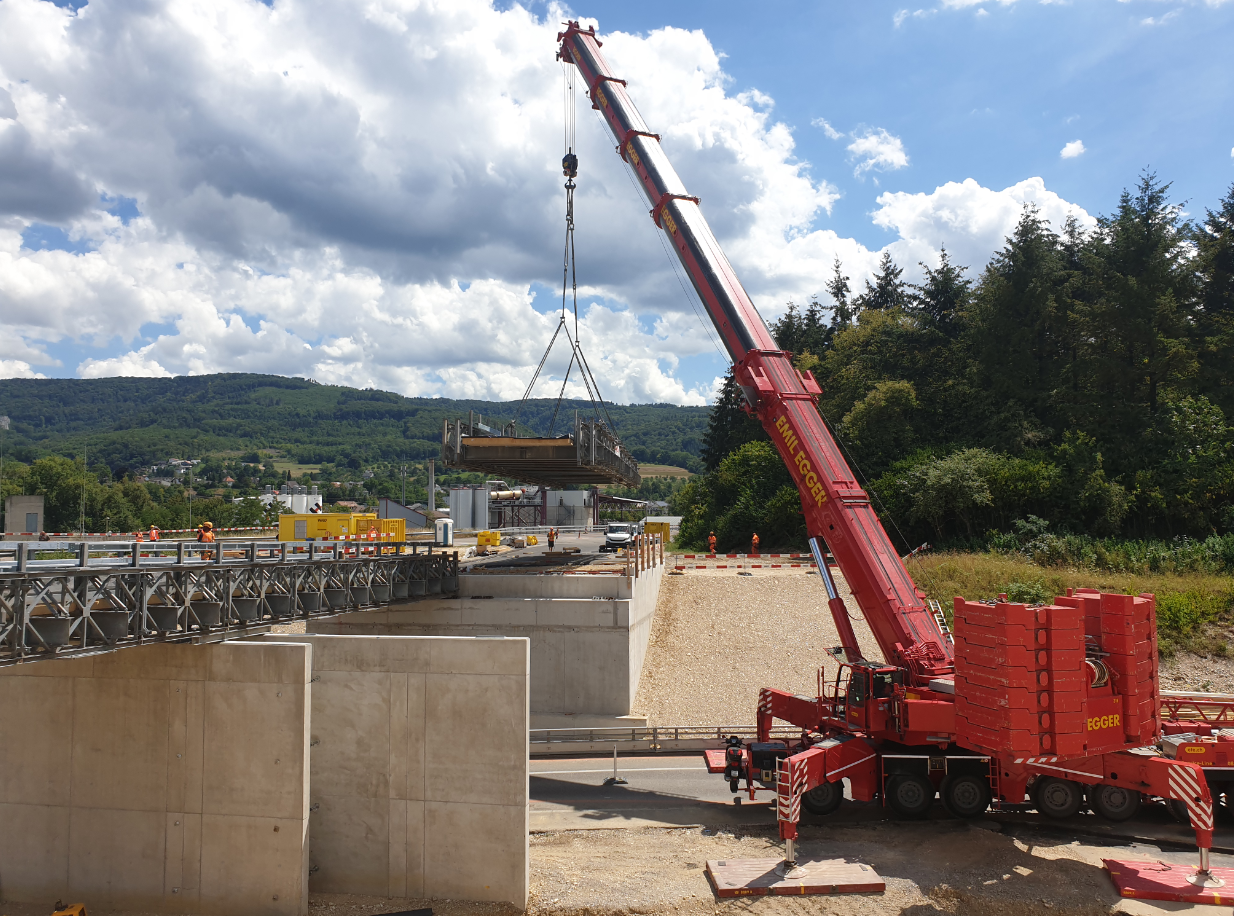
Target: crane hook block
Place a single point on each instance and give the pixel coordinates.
(569, 165)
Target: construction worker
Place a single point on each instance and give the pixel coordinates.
(754, 545)
(138, 536)
(711, 542)
(552, 537)
(154, 532)
(205, 535)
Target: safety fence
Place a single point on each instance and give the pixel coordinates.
(144, 533)
(57, 602)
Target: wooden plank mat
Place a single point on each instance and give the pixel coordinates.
(758, 878)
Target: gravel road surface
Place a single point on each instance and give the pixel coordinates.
(718, 637)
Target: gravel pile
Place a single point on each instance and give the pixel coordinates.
(718, 637)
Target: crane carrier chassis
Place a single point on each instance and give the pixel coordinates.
(1056, 704)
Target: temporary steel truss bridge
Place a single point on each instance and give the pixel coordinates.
(91, 597)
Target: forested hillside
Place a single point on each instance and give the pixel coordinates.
(134, 422)
(1079, 382)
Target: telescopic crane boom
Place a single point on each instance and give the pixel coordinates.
(837, 510)
(1061, 701)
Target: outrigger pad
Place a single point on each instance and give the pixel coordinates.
(758, 878)
(1160, 881)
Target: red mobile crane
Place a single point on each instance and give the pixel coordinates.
(1060, 700)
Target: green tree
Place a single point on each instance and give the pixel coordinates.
(1012, 332)
(1214, 327)
(1135, 332)
(940, 301)
(879, 428)
(62, 483)
(729, 426)
(888, 291)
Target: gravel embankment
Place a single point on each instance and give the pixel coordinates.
(1194, 672)
(719, 637)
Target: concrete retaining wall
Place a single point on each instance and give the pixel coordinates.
(588, 634)
(419, 765)
(168, 777)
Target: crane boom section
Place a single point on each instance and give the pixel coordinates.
(835, 506)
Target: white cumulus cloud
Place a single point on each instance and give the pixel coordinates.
(1073, 149)
(875, 148)
(372, 196)
(823, 125)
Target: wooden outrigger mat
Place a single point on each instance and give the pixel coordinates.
(1160, 881)
(758, 878)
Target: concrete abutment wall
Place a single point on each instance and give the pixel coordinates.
(166, 778)
(419, 762)
(176, 778)
(588, 634)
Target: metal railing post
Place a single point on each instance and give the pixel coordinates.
(135, 560)
(83, 555)
(21, 556)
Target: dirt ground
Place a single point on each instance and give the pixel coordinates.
(936, 867)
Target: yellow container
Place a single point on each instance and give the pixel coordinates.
(488, 539)
(333, 525)
(660, 528)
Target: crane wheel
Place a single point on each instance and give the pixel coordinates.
(823, 798)
(1113, 802)
(910, 795)
(1179, 810)
(1056, 797)
(966, 796)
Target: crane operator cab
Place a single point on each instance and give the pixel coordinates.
(863, 693)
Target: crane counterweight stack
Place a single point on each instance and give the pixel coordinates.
(1058, 701)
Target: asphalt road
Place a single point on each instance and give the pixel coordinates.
(669, 790)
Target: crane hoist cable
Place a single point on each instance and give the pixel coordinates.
(569, 284)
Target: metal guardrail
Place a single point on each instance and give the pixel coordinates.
(90, 597)
(648, 739)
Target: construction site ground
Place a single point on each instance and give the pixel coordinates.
(642, 848)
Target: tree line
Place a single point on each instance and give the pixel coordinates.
(1082, 380)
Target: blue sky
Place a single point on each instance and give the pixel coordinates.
(989, 91)
(369, 195)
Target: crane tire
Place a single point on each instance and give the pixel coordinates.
(1057, 798)
(1179, 810)
(966, 795)
(910, 795)
(1114, 803)
(824, 798)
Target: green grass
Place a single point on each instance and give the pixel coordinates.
(1195, 610)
